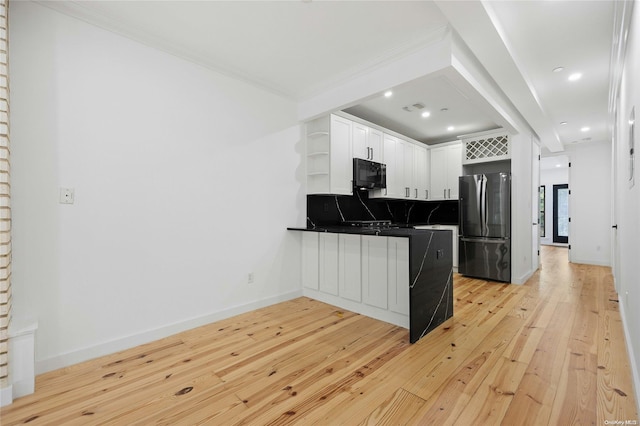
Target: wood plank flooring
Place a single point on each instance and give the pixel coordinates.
(549, 352)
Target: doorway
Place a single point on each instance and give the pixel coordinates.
(561, 214)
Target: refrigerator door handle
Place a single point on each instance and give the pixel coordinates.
(483, 209)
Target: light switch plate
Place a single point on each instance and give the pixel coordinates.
(66, 195)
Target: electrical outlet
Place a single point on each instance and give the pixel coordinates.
(250, 278)
(66, 195)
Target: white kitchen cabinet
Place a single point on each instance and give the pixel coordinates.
(374, 271)
(408, 167)
(349, 269)
(421, 172)
(446, 167)
(310, 260)
(391, 157)
(329, 156)
(328, 263)
(454, 240)
(366, 143)
(398, 274)
(407, 170)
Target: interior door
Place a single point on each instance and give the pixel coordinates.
(561, 213)
(535, 206)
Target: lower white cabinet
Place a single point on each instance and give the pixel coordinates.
(328, 263)
(374, 271)
(366, 274)
(398, 274)
(310, 254)
(349, 270)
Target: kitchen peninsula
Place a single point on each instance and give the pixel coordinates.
(395, 274)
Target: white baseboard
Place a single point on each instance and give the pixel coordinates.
(6, 395)
(522, 278)
(635, 374)
(126, 342)
(591, 262)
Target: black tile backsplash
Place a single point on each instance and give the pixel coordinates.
(325, 210)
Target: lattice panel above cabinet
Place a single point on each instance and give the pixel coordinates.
(486, 148)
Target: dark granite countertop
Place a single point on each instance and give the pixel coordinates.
(385, 232)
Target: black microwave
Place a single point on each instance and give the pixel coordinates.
(369, 174)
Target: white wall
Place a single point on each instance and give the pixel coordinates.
(522, 189)
(548, 178)
(627, 214)
(185, 181)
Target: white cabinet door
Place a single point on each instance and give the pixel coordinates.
(341, 160)
(360, 148)
(407, 169)
(390, 157)
(328, 263)
(366, 143)
(439, 173)
(374, 271)
(420, 173)
(446, 167)
(349, 269)
(398, 274)
(310, 260)
(454, 170)
(374, 142)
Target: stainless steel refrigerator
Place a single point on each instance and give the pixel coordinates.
(485, 226)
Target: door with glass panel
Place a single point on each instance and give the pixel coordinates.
(561, 213)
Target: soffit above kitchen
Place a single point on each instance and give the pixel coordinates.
(301, 49)
(534, 49)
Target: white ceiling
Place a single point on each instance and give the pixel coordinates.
(575, 35)
(302, 48)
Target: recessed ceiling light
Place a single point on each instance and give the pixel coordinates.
(388, 94)
(585, 129)
(425, 114)
(558, 69)
(563, 123)
(450, 128)
(575, 76)
(558, 165)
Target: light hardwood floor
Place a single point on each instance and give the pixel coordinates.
(549, 352)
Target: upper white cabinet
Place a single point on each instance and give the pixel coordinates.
(332, 143)
(407, 153)
(329, 159)
(407, 170)
(446, 167)
(366, 143)
(421, 172)
(391, 156)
